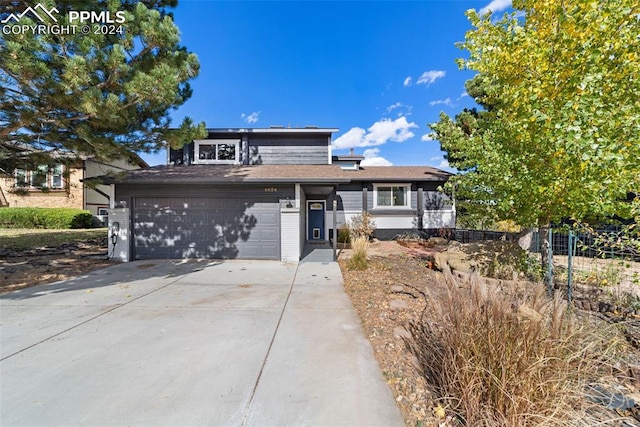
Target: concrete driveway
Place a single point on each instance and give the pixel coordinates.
(255, 343)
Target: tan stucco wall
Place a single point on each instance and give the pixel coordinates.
(70, 197)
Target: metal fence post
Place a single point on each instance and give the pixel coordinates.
(550, 262)
(570, 267)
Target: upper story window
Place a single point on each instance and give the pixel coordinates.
(219, 151)
(43, 177)
(392, 196)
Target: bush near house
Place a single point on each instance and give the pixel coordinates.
(513, 357)
(359, 247)
(344, 234)
(45, 218)
(362, 225)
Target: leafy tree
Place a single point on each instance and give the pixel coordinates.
(100, 94)
(559, 133)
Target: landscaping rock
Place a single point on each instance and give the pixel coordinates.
(398, 304)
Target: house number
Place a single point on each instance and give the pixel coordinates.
(270, 189)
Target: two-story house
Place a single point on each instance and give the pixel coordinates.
(263, 194)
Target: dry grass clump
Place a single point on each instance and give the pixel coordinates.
(359, 248)
(515, 358)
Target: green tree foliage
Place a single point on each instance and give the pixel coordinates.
(99, 94)
(559, 132)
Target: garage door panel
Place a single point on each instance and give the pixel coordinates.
(179, 227)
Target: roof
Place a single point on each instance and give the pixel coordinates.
(201, 174)
(397, 173)
(275, 129)
(331, 174)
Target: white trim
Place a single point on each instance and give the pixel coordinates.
(330, 150)
(216, 142)
(407, 198)
(297, 195)
(306, 231)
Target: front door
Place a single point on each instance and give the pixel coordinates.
(315, 219)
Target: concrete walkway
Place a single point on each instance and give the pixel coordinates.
(233, 343)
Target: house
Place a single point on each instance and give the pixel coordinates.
(63, 184)
(265, 193)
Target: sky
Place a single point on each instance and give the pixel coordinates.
(379, 71)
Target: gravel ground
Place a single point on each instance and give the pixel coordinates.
(388, 295)
(23, 268)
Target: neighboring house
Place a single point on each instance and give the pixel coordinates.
(62, 185)
(264, 193)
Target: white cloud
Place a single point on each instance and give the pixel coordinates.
(440, 162)
(354, 137)
(381, 132)
(446, 102)
(429, 77)
(403, 110)
(427, 137)
(371, 158)
(251, 118)
(392, 107)
(407, 81)
(462, 95)
(386, 129)
(495, 6)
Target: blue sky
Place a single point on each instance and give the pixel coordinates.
(380, 71)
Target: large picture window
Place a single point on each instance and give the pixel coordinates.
(43, 177)
(217, 151)
(391, 196)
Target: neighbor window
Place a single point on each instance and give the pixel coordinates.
(391, 196)
(218, 151)
(42, 177)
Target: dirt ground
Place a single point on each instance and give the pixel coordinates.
(23, 268)
(387, 296)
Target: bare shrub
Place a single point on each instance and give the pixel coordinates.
(359, 248)
(362, 225)
(344, 234)
(516, 358)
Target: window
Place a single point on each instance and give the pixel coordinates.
(56, 177)
(42, 177)
(391, 196)
(39, 177)
(218, 151)
(22, 180)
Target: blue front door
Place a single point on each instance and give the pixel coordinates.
(315, 215)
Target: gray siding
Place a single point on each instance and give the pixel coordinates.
(286, 149)
(271, 149)
(435, 200)
(349, 197)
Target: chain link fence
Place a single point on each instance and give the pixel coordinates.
(580, 262)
